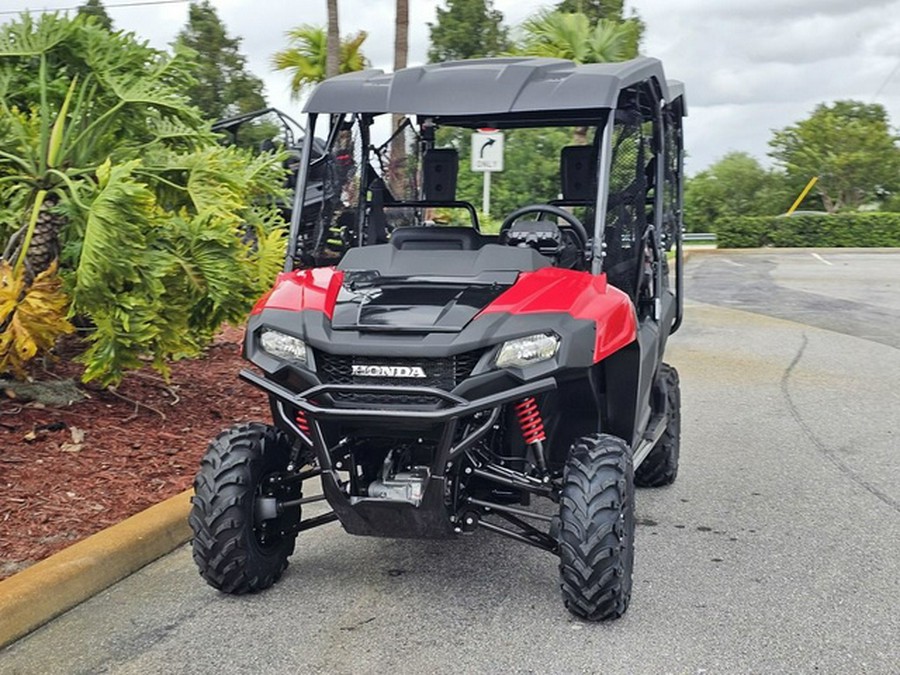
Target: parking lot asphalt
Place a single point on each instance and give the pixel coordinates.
(777, 549)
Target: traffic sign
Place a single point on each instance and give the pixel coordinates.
(487, 151)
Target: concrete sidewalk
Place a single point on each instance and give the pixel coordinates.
(45, 590)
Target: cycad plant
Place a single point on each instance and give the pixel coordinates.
(161, 233)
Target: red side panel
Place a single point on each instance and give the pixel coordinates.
(314, 289)
(578, 294)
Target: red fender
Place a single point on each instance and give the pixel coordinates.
(313, 289)
(580, 295)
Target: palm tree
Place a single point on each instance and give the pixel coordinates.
(401, 51)
(333, 50)
(307, 54)
(571, 36)
(401, 35)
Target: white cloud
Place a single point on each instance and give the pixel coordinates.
(749, 66)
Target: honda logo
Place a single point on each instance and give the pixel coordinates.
(387, 371)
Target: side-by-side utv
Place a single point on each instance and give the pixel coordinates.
(438, 378)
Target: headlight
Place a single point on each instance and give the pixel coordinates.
(527, 351)
(284, 346)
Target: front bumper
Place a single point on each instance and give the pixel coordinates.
(380, 517)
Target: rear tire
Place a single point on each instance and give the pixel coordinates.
(660, 467)
(596, 528)
(235, 551)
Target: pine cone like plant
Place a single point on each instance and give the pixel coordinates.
(44, 247)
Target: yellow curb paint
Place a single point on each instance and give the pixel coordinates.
(45, 590)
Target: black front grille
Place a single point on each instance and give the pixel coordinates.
(445, 374)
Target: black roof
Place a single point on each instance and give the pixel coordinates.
(496, 85)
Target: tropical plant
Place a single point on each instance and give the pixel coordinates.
(106, 166)
(32, 315)
(306, 56)
(573, 36)
(595, 10)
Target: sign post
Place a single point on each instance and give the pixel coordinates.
(487, 157)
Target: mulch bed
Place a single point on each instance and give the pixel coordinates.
(69, 471)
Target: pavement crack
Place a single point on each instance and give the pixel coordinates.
(358, 624)
(823, 449)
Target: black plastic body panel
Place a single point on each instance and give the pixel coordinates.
(410, 306)
(389, 261)
(373, 517)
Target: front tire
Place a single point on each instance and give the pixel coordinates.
(596, 528)
(236, 550)
(660, 467)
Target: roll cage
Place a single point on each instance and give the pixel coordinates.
(626, 181)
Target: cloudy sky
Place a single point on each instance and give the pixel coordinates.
(749, 65)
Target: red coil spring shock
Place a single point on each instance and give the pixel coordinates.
(530, 420)
(302, 422)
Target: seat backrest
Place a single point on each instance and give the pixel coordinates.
(440, 167)
(577, 172)
(436, 239)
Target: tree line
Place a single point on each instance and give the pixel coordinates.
(849, 147)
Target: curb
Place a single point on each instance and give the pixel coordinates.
(45, 590)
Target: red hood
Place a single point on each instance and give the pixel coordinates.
(547, 290)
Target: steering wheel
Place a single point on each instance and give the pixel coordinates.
(573, 223)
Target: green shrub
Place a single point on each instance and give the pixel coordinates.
(161, 233)
(838, 230)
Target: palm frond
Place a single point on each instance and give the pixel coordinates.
(352, 58)
(306, 55)
(609, 41)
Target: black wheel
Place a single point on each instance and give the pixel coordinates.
(596, 528)
(241, 544)
(660, 467)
